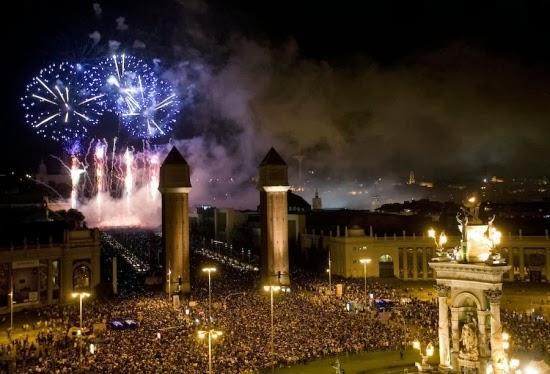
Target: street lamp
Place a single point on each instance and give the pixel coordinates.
(11, 305)
(365, 261)
(212, 334)
(424, 366)
(80, 295)
(506, 365)
(209, 271)
(271, 289)
(439, 241)
(169, 280)
(329, 271)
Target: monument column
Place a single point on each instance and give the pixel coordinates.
(424, 263)
(273, 185)
(444, 349)
(511, 272)
(175, 185)
(415, 263)
(497, 351)
(405, 264)
(50, 282)
(455, 334)
(483, 342)
(521, 263)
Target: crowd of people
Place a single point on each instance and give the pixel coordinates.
(530, 333)
(309, 323)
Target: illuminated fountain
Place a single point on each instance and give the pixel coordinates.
(469, 283)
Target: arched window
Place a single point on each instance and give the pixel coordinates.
(81, 278)
(385, 258)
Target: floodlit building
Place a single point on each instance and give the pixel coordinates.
(407, 256)
(46, 263)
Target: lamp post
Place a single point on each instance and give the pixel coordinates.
(365, 261)
(424, 366)
(11, 304)
(439, 241)
(329, 271)
(506, 365)
(209, 270)
(212, 334)
(271, 289)
(80, 295)
(169, 280)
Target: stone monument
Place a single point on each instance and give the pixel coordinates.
(273, 186)
(175, 185)
(469, 284)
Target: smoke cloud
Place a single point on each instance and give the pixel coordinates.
(97, 9)
(95, 36)
(455, 112)
(114, 45)
(452, 113)
(121, 24)
(138, 44)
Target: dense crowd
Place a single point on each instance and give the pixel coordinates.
(308, 323)
(529, 332)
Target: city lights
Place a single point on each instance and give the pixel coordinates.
(209, 270)
(210, 334)
(81, 296)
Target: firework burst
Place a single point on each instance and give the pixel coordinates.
(147, 105)
(63, 100)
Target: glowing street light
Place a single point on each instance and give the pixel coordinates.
(505, 340)
(506, 365)
(514, 363)
(365, 262)
(169, 280)
(11, 305)
(423, 366)
(329, 271)
(439, 241)
(271, 289)
(209, 270)
(530, 370)
(212, 334)
(80, 295)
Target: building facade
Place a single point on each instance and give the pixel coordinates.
(407, 257)
(46, 273)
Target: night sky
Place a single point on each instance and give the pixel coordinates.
(450, 89)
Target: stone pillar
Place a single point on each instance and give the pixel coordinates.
(455, 334)
(484, 350)
(548, 264)
(175, 186)
(396, 265)
(115, 275)
(521, 263)
(95, 262)
(66, 288)
(50, 282)
(405, 264)
(497, 351)
(273, 185)
(444, 349)
(415, 263)
(511, 272)
(424, 263)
